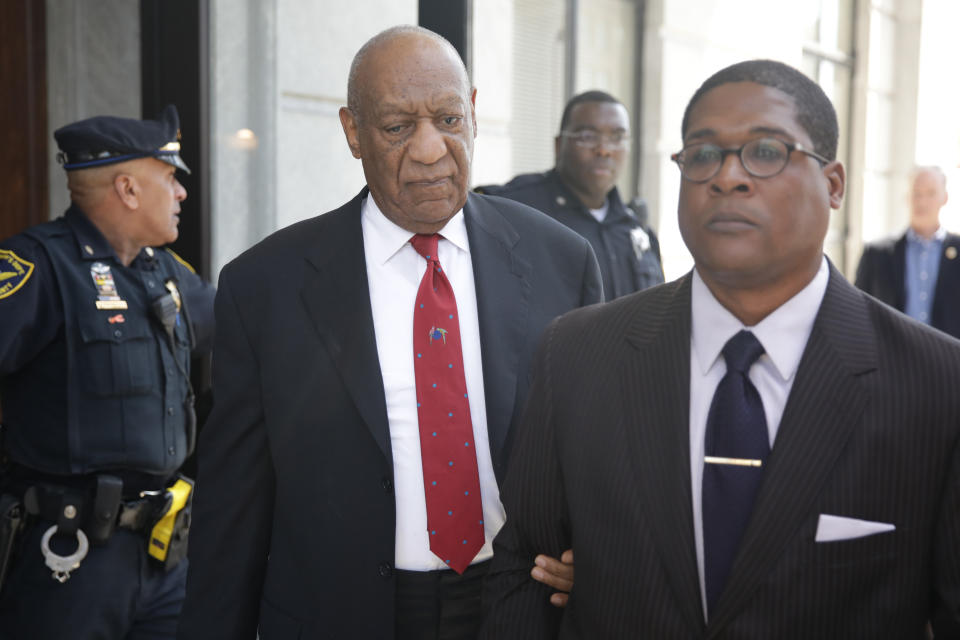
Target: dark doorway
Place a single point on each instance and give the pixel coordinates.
(23, 116)
(175, 69)
(174, 41)
(451, 19)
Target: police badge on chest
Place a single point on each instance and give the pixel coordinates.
(640, 240)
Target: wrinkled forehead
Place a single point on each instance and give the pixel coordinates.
(598, 115)
(738, 109)
(412, 63)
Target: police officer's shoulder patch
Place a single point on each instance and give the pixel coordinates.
(181, 260)
(14, 272)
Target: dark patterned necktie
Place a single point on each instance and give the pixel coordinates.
(450, 477)
(736, 445)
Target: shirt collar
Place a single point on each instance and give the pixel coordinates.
(616, 209)
(938, 236)
(90, 242)
(387, 237)
(783, 333)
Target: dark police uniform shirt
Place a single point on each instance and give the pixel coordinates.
(88, 378)
(628, 252)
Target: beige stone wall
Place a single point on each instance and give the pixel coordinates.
(279, 74)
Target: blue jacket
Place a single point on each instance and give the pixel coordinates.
(90, 380)
(627, 250)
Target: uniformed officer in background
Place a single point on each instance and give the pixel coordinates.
(581, 193)
(95, 345)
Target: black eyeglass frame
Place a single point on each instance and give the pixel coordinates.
(602, 139)
(724, 152)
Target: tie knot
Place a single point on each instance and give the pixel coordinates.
(426, 245)
(741, 351)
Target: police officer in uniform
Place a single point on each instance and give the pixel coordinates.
(95, 346)
(581, 193)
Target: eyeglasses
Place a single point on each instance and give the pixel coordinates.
(761, 158)
(593, 139)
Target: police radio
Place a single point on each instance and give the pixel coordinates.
(166, 309)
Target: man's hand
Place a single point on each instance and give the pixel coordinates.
(557, 574)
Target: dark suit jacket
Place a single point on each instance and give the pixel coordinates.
(882, 274)
(871, 431)
(294, 518)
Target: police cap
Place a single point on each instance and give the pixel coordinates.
(104, 140)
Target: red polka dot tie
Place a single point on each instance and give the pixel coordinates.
(450, 478)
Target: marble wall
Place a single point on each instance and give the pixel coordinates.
(279, 71)
(279, 76)
(93, 68)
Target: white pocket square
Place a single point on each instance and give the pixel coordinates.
(831, 528)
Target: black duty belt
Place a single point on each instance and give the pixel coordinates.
(91, 511)
(97, 512)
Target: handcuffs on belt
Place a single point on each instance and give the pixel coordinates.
(166, 512)
(63, 565)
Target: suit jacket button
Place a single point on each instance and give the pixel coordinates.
(387, 485)
(386, 569)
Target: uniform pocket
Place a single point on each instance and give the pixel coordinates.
(118, 358)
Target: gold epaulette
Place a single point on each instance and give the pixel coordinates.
(181, 260)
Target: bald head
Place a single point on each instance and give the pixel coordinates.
(391, 44)
(134, 204)
(411, 122)
(95, 188)
(928, 194)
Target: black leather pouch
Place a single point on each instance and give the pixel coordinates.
(11, 523)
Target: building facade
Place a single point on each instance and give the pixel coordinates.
(260, 83)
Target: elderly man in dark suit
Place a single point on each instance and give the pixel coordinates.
(918, 273)
(756, 450)
(369, 365)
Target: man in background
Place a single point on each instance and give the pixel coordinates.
(918, 273)
(350, 469)
(581, 192)
(97, 335)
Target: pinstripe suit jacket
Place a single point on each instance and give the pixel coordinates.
(871, 430)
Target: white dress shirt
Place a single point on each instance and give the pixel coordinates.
(394, 271)
(783, 334)
(601, 213)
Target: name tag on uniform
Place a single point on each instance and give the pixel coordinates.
(111, 304)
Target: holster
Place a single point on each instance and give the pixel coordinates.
(11, 523)
(167, 542)
(95, 511)
(106, 505)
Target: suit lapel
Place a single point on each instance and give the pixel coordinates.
(501, 280)
(947, 276)
(900, 273)
(337, 271)
(656, 394)
(823, 409)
